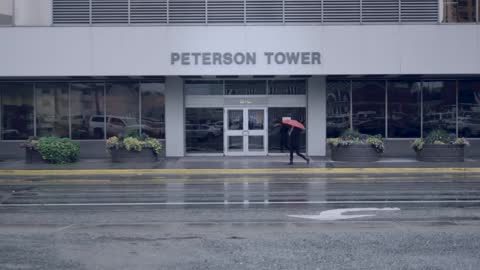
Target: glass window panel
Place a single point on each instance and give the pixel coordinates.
(239, 87)
(458, 11)
(338, 107)
(122, 108)
(6, 12)
(204, 130)
(204, 88)
(235, 143)
(255, 143)
(469, 109)
(17, 110)
(52, 109)
(404, 109)
(439, 110)
(87, 110)
(153, 109)
(368, 105)
(235, 119)
(256, 119)
(287, 87)
(278, 133)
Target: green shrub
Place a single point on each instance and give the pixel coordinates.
(438, 137)
(351, 137)
(136, 143)
(57, 150)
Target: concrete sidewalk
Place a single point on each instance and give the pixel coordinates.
(270, 162)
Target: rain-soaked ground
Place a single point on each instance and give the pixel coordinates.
(241, 222)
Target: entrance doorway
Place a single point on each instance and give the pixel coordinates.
(245, 131)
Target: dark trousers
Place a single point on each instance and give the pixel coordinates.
(297, 151)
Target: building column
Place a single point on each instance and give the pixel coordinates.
(316, 116)
(174, 115)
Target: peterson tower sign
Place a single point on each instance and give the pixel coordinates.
(244, 58)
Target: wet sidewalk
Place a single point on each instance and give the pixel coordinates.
(269, 162)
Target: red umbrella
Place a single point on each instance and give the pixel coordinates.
(293, 123)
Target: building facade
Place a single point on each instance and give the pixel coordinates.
(216, 77)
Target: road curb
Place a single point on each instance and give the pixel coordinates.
(269, 171)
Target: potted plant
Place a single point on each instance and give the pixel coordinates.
(439, 146)
(134, 148)
(51, 150)
(356, 147)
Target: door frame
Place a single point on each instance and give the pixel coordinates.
(245, 132)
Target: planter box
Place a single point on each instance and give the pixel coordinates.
(355, 153)
(442, 153)
(33, 156)
(122, 155)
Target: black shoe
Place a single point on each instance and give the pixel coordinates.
(308, 160)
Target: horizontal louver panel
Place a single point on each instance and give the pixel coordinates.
(378, 11)
(187, 11)
(303, 11)
(264, 11)
(341, 11)
(243, 11)
(148, 11)
(419, 11)
(109, 11)
(226, 11)
(71, 11)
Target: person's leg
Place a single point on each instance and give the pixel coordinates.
(291, 155)
(300, 155)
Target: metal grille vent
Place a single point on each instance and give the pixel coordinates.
(264, 11)
(303, 11)
(378, 11)
(419, 11)
(148, 11)
(187, 11)
(109, 11)
(71, 11)
(341, 11)
(226, 11)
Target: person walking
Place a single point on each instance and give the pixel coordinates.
(294, 136)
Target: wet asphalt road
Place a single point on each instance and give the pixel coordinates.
(243, 222)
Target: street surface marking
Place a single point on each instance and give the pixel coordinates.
(337, 214)
(235, 203)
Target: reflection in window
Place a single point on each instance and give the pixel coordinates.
(87, 111)
(368, 106)
(153, 109)
(17, 110)
(6, 12)
(439, 106)
(338, 107)
(245, 87)
(204, 130)
(278, 133)
(287, 87)
(52, 109)
(404, 109)
(256, 119)
(122, 109)
(235, 119)
(459, 11)
(203, 88)
(469, 109)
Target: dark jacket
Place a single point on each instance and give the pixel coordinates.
(295, 138)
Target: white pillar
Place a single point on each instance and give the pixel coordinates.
(317, 116)
(174, 117)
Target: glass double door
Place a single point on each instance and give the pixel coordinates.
(245, 131)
